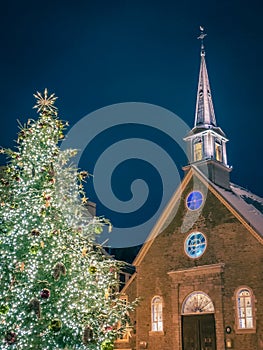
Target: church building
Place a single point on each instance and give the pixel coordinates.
(199, 274)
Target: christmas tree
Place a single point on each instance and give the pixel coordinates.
(59, 289)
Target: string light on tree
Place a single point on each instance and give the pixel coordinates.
(58, 290)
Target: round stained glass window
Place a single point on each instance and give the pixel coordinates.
(194, 200)
(195, 245)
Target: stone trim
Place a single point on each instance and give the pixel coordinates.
(198, 270)
(156, 333)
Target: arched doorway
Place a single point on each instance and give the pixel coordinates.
(198, 322)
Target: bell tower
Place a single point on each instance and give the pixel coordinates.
(206, 141)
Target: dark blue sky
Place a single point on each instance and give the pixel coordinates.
(97, 53)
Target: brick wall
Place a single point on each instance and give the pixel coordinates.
(167, 271)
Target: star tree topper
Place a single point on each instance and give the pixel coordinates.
(45, 103)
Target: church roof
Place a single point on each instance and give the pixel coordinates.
(244, 205)
(198, 129)
(249, 205)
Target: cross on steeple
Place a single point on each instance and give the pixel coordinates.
(201, 37)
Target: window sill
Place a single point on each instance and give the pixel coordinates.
(245, 330)
(156, 333)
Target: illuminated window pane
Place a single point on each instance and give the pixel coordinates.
(244, 309)
(249, 312)
(195, 245)
(249, 323)
(242, 323)
(194, 200)
(218, 149)
(157, 314)
(241, 302)
(198, 153)
(197, 302)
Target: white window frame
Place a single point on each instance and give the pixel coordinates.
(245, 314)
(218, 151)
(124, 338)
(157, 314)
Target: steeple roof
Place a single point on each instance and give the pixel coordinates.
(204, 113)
(206, 141)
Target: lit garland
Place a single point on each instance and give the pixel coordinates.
(58, 287)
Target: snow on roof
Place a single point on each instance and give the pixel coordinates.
(247, 204)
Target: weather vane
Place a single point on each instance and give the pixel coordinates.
(45, 102)
(201, 37)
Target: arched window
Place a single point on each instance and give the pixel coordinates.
(157, 314)
(197, 302)
(245, 309)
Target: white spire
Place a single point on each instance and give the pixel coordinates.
(206, 141)
(204, 113)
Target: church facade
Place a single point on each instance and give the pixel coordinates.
(199, 274)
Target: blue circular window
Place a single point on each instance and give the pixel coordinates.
(195, 245)
(194, 200)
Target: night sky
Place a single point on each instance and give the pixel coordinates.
(94, 54)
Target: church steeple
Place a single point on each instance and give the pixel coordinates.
(206, 141)
(204, 113)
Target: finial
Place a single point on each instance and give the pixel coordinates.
(45, 102)
(201, 37)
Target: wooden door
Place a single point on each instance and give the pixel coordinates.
(198, 332)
